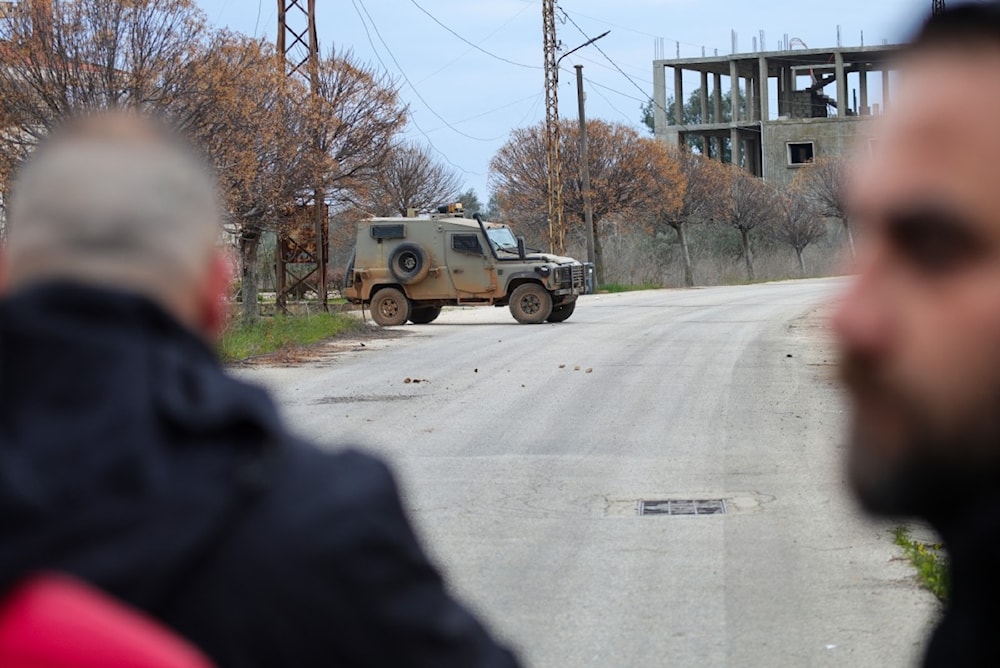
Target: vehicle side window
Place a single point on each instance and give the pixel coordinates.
(466, 243)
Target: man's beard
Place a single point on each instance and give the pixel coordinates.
(921, 468)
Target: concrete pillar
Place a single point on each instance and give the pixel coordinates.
(787, 91)
(841, 85)
(717, 101)
(734, 137)
(706, 148)
(659, 98)
(863, 73)
(734, 89)
(765, 95)
(704, 98)
(679, 95)
(885, 90)
(755, 98)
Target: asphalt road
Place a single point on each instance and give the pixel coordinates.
(524, 450)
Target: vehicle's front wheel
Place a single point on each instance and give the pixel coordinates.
(390, 307)
(530, 304)
(562, 313)
(424, 314)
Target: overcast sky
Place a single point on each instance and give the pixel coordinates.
(464, 102)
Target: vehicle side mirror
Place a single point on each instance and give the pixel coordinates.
(520, 248)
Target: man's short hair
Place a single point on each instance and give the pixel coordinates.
(965, 23)
(117, 200)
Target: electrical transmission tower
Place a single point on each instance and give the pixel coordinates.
(298, 44)
(552, 158)
(938, 6)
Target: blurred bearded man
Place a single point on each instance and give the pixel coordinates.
(919, 329)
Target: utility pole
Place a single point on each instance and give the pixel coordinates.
(552, 159)
(298, 44)
(588, 213)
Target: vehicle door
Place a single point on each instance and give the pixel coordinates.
(472, 271)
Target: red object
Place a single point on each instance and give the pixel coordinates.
(55, 621)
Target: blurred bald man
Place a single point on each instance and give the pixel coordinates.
(130, 459)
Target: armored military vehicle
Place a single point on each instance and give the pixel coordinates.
(406, 269)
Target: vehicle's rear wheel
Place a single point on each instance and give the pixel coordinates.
(562, 313)
(424, 314)
(390, 307)
(530, 304)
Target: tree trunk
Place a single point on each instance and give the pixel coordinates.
(745, 236)
(681, 229)
(802, 262)
(850, 237)
(249, 244)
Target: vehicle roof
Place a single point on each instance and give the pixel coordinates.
(464, 222)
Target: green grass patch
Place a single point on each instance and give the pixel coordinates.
(620, 287)
(282, 332)
(928, 559)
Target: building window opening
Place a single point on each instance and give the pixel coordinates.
(800, 153)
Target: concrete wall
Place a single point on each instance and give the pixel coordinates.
(830, 137)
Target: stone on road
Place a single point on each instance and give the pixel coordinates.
(524, 450)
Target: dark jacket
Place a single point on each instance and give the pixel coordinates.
(968, 634)
(128, 458)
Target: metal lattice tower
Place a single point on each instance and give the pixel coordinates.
(552, 158)
(938, 7)
(297, 37)
(298, 44)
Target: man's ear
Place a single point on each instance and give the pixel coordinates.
(214, 306)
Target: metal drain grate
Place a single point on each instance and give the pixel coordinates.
(683, 507)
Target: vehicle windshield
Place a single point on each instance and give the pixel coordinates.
(502, 238)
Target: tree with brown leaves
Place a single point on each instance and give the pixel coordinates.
(693, 186)
(255, 133)
(61, 58)
(625, 177)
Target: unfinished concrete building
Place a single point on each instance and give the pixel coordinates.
(788, 107)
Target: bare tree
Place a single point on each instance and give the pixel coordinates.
(823, 184)
(355, 118)
(412, 178)
(749, 205)
(796, 223)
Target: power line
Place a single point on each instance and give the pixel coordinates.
(620, 70)
(402, 73)
(533, 96)
(638, 32)
(411, 119)
(473, 44)
(605, 98)
(608, 67)
(466, 52)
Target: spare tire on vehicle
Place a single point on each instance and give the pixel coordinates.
(409, 263)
